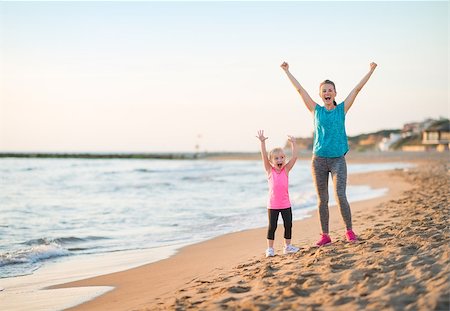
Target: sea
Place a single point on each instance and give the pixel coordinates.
(55, 209)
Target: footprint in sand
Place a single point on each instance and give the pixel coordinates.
(249, 264)
(267, 271)
(229, 299)
(343, 300)
(339, 287)
(203, 290)
(203, 282)
(308, 274)
(409, 250)
(239, 289)
(386, 235)
(340, 266)
(295, 291)
(376, 246)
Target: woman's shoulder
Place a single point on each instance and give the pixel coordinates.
(341, 108)
(318, 110)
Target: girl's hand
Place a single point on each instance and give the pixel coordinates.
(292, 139)
(285, 66)
(373, 66)
(261, 135)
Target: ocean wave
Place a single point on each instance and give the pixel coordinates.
(203, 178)
(62, 240)
(33, 254)
(145, 170)
(77, 249)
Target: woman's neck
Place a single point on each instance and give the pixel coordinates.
(330, 106)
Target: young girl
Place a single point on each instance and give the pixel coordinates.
(277, 175)
(330, 148)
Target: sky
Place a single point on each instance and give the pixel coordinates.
(186, 76)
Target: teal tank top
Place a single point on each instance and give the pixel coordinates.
(330, 138)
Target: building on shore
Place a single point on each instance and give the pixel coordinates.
(386, 142)
(437, 135)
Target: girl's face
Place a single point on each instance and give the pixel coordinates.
(278, 159)
(327, 93)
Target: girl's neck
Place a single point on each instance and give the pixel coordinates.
(278, 170)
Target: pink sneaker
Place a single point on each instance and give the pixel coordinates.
(324, 240)
(351, 236)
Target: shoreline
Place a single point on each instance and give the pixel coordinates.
(148, 296)
(171, 278)
(301, 210)
(35, 285)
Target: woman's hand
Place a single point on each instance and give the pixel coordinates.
(373, 66)
(285, 66)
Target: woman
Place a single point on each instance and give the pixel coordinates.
(330, 147)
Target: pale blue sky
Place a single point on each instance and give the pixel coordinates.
(153, 76)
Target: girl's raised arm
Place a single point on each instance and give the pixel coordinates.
(351, 97)
(264, 156)
(293, 159)
(310, 104)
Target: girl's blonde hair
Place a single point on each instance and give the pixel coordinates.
(275, 151)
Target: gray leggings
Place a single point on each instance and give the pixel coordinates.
(321, 167)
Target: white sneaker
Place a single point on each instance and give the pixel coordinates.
(289, 249)
(270, 252)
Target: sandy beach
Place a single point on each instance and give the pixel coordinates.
(401, 261)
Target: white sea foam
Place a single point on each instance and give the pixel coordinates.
(32, 254)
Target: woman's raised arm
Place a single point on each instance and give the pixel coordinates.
(310, 104)
(351, 97)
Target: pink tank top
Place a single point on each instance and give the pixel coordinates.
(278, 190)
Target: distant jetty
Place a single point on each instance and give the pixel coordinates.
(166, 156)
